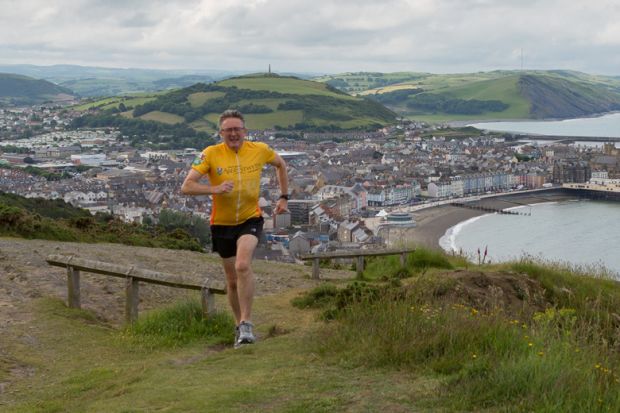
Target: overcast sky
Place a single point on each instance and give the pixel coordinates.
(441, 36)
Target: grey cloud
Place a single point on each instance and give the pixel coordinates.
(420, 35)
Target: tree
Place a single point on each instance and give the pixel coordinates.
(170, 220)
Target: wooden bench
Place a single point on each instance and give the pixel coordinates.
(133, 276)
(359, 255)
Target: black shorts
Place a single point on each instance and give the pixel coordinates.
(224, 237)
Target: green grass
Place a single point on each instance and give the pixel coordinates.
(200, 98)
(113, 102)
(485, 358)
(181, 324)
(163, 117)
(270, 103)
(266, 120)
(419, 261)
(282, 85)
(91, 367)
(504, 89)
(412, 344)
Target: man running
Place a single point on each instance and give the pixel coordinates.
(234, 170)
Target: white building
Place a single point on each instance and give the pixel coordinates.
(89, 159)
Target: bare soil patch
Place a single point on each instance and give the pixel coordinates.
(513, 294)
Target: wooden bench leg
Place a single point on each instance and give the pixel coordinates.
(207, 298)
(131, 300)
(403, 259)
(315, 268)
(359, 266)
(73, 287)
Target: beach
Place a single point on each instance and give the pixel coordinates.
(433, 222)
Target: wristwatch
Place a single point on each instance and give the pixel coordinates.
(284, 196)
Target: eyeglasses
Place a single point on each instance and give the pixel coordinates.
(228, 131)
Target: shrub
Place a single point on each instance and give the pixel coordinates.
(318, 297)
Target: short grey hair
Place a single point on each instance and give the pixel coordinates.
(231, 113)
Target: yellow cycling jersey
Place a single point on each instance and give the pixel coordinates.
(243, 168)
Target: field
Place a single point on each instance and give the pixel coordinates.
(282, 85)
(266, 120)
(113, 102)
(504, 89)
(162, 117)
(199, 99)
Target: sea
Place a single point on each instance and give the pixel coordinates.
(606, 126)
(579, 233)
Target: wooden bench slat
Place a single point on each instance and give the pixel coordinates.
(360, 254)
(140, 274)
(354, 254)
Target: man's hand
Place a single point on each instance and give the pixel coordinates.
(222, 188)
(281, 206)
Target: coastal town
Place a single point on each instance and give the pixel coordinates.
(348, 190)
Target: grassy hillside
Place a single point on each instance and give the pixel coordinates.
(279, 84)
(491, 95)
(437, 335)
(129, 101)
(359, 82)
(57, 220)
(102, 81)
(23, 90)
(268, 101)
(552, 96)
(113, 86)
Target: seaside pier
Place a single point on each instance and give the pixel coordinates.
(476, 206)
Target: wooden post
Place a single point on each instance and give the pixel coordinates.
(208, 302)
(315, 268)
(131, 301)
(73, 287)
(360, 265)
(403, 259)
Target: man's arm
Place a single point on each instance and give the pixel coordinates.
(280, 165)
(192, 185)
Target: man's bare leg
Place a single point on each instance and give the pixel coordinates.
(231, 287)
(246, 244)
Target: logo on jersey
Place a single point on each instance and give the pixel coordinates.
(219, 171)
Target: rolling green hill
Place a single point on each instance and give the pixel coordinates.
(117, 85)
(268, 101)
(24, 90)
(88, 81)
(486, 95)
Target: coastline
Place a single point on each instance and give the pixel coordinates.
(432, 223)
